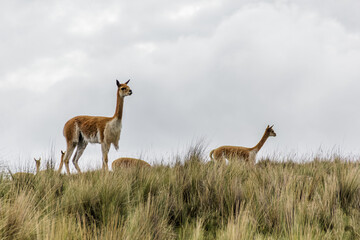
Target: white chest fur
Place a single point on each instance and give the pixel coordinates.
(112, 132)
(252, 156)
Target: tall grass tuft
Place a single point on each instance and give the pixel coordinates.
(192, 199)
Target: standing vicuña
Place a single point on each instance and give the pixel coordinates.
(81, 130)
(128, 162)
(37, 163)
(241, 153)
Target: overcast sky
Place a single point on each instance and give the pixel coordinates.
(214, 70)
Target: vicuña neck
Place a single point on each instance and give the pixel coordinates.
(119, 107)
(262, 141)
(37, 169)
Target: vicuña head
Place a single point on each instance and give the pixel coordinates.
(128, 162)
(81, 130)
(123, 89)
(270, 131)
(241, 153)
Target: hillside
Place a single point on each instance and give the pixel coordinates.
(190, 200)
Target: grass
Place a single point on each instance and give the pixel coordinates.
(190, 200)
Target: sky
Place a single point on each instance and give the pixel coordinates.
(216, 71)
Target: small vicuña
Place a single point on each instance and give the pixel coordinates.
(81, 130)
(241, 153)
(37, 163)
(128, 162)
(24, 175)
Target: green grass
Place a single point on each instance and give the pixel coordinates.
(190, 200)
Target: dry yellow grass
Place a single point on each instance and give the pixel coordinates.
(193, 200)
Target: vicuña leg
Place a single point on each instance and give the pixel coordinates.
(79, 151)
(69, 151)
(105, 149)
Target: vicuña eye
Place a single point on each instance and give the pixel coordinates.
(123, 88)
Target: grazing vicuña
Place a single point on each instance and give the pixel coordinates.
(128, 162)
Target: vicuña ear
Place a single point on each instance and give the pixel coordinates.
(117, 83)
(272, 126)
(127, 81)
(62, 153)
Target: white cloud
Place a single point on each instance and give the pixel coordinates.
(147, 47)
(185, 12)
(189, 11)
(90, 22)
(45, 72)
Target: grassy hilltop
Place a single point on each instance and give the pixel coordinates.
(192, 200)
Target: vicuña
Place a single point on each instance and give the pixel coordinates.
(81, 130)
(128, 162)
(25, 175)
(241, 153)
(38, 163)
